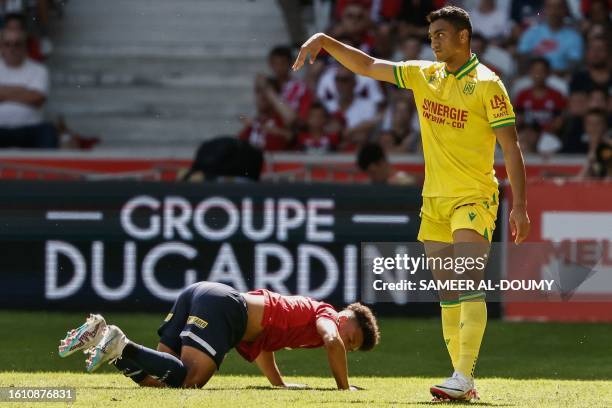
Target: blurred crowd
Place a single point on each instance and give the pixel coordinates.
(34, 16)
(24, 78)
(553, 56)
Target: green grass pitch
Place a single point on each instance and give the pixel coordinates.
(521, 365)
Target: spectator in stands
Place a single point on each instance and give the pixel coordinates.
(267, 130)
(561, 45)
(373, 160)
(598, 98)
(573, 134)
(360, 114)
(525, 13)
(8, 7)
(378, 10)
(293, 91)
(317, 137)
(490, 19)
(397, 134)
(15, 21)
(534, 140)
(391, 142)
(24, 85)
(413, 18)
(494, 57)
(383, 41)
(366, 89)
(224, 158)
(541, 104)
(409, 49)
(596, 72)
(599, 158)
(597, 13)
(355, 25)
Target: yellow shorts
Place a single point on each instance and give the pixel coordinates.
(441, 216)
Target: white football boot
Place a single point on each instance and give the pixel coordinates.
(108, 349)
(83, 337)
(455, 388)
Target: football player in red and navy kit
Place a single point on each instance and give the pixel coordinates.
(208, 319)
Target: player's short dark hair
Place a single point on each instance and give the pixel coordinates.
(367, 323)
(458, 17)
(540, 60)
(282, 51)
(368, 154)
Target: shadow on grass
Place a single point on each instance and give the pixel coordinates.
(455, 403)
(269, 388)
(409, 348)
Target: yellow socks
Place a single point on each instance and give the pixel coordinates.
(471, 331)
(451, 313)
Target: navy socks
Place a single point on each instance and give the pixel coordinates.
(163, 366)
(130, 369)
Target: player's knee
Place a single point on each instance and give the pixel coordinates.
(200, 367)
(195, 379)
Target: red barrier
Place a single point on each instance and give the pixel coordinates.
(294, 166)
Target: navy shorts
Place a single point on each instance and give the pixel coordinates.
(209, 316)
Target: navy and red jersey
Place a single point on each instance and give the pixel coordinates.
(540, 109)
(288, 322)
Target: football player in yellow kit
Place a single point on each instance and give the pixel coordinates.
(463, 110)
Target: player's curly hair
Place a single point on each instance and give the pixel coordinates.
(367, 322)
(458, 17)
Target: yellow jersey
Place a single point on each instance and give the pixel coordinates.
(457, 113)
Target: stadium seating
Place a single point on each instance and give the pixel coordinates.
(160, 73)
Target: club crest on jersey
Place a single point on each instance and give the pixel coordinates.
(469, 87)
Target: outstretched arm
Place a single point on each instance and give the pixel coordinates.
(352, 58)
(515, 167)
(336, 353)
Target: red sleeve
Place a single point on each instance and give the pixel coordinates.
(325, 311)
(249, 351)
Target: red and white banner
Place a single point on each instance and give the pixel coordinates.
(575, 218)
